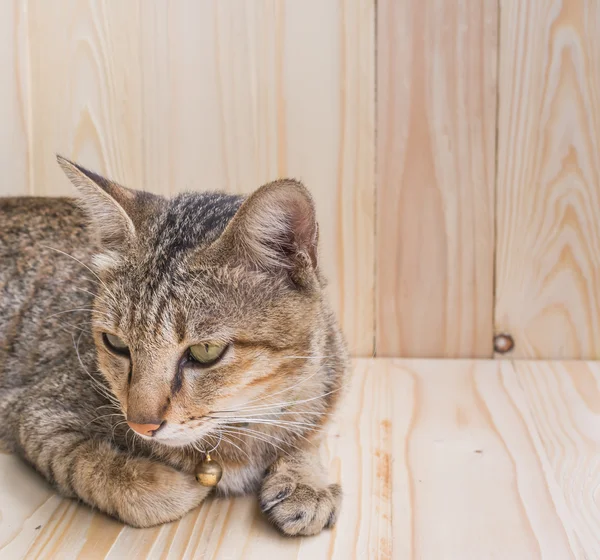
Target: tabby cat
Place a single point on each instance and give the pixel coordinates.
(138, 333)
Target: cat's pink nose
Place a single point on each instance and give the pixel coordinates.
(144, 429)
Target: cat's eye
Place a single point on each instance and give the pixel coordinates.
(115, 343)
(207, 353)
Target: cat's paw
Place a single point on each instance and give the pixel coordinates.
(156, 494)
(299, 508)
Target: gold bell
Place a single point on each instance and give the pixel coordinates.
(209, 472)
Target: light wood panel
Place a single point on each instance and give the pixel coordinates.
(15, 165)
(204, 95)
(548, 255)
(477, 488)
(438, 459)
(561, 400)
(435, 152)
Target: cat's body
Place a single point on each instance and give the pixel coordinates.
(165, 275)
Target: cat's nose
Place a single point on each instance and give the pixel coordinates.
(145, 429)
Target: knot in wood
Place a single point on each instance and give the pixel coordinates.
(503, 343)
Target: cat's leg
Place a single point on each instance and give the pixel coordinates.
(136, 490)
(296, 497)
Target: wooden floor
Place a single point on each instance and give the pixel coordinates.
(437, 459)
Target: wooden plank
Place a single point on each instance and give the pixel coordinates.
(86, 67)
(438, 459)
(189, 95)
(436, 99)
(548, 255)
(477, 486)
(14, 100)
(560, 402)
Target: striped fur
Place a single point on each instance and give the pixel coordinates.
(164, 275)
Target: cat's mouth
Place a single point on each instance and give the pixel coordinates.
(178, 434)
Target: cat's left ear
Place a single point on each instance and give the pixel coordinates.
(275, 229)
(109, 206)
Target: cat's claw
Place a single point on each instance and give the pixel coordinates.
(297, 508)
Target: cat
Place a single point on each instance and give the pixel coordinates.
(139, 333)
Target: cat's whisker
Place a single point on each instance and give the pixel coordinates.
(100, 418)
(102, 390)
(104, 393)
(107, 302)
(228, 441)
(189, 448)
(267, 406)
(64, 326)
(111, 405)
(119, 413)
(304, 380)
(196, 444)
(257, 432)
(269, 421)
(293, 428)
(307, 357)
(236, 435)
(76, 344)
(207, 445)
(264, 440)
(283, 441)
(116, 426)
(86, 267)
(81, 309)
(288, 403)
(277, 414)
(280, 404)
(134, 439)
(289, 412)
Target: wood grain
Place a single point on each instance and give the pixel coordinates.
(14, 100)
(205, 95)
(560, 400)
(548, 254)
(435, 190)
(438, 459)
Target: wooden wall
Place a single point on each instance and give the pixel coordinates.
(548, 206)
(196, 95)
(435, 190)
(453, 147)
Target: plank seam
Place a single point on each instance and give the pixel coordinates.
(495, 199)
(375, 173)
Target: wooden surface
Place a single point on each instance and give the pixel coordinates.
(548, 209)
(436, 106)
(205, 95)
(14, 100)
(438, 459)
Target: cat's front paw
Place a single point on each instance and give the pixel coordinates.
(296, 507)
(156, 494)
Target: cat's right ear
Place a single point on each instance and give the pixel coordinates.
(106, 203)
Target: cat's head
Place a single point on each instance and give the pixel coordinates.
(207, 304)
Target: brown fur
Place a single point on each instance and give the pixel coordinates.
(164, 275)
